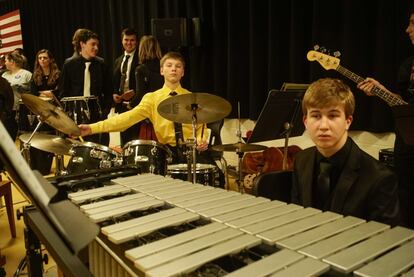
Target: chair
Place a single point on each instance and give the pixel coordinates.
(275, 185)
(5, 190)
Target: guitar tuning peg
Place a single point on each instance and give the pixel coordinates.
(316, 47)
(337, 54)
(323, 50)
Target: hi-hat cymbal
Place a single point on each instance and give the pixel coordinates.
(50, 114)
(49, 143)
(239, 147)
(208, 107)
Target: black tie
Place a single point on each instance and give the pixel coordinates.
(178, 129)
(123, 73)
(323, 182)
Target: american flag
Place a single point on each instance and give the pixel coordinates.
(10, 32)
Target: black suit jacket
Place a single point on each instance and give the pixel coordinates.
(116, 77)
(117, 71)
(365, 188)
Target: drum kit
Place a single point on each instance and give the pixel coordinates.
(150, 156)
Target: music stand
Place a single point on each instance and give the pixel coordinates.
(404, 119)
(53, 221)
(281, 117)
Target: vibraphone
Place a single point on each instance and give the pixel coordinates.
(157, 226)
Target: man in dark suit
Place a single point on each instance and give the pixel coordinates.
(335, 174)
(124, 79)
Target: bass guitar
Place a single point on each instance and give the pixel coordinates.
(329, 62)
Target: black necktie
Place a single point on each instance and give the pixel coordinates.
(123, 73)
(323, 182)
(178, 128)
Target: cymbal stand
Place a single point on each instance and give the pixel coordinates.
(240, 177)
(27, 145)
(194, 108)
(189, 145)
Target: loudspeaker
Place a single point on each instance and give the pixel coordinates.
(170, 32)
(196, 31)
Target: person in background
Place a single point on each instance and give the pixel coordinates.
(148, 79)
(403, 153)
(45, 81)
(19, 80)
(46, 75)
(124, 79)
(76, 43)
(2, 64)
(147, 74)
(99, 84)
(25, 62)
(335, 174)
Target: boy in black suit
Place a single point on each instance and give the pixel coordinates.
(336, 174)
(124, 79)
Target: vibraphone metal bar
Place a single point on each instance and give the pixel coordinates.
(302, 241)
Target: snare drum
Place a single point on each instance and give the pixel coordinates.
(89, 155)
(150, 156)
(205, 173)
(82, 109)
(27, 121)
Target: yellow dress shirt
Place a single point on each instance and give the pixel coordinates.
(147, 108)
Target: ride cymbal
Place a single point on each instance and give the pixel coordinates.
(239, 147)
(49, 143)
(50, 114)
(207, 108)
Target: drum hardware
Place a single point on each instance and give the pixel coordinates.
(149, 155)
(89, 155)
(205, 173)
(240, 148)
(194, 108)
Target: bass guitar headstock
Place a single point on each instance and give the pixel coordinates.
(325, 60)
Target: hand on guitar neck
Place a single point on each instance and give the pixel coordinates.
(369, 84)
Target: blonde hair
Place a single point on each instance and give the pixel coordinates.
(174, 56)
(327, 92)
(149, 49)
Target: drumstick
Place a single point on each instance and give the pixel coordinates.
(202, 132)
(81, 139)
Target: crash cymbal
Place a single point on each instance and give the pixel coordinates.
(208, 107)
(49, 143)
(51, 114)
(239, 147)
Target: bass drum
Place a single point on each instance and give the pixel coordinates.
(205, 173)
(88, 155)
(149, 155)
